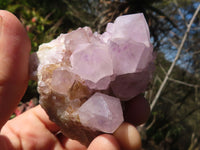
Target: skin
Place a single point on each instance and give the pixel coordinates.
(33, 130)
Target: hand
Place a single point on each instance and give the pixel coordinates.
(33, 129)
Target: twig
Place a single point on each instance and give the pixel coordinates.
(180, 13)
(197, 52)
(173, 43)
(184, 83)
(175, 59)
(152, 123)
(193, 142)
(163, 69)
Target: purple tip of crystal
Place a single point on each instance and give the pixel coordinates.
(101, 112)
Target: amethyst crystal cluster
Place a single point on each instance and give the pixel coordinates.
(83, 77)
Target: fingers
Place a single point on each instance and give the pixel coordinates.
(137, 110)
(104, 142)
(31, 130)
(44, 119)
(128, 137)
(70, 144)
(14, 56)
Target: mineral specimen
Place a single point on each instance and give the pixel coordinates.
(83, 77)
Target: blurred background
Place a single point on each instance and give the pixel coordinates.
(174, 92)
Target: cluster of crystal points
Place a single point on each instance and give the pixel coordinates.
(85, 75)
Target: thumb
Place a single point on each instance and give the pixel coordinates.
(14, 57)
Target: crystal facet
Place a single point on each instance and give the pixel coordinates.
(64, 78)
(101, 112)
(92, 63)
(132, 27)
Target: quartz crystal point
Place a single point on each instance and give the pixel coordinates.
(101, 112)
(83, 76)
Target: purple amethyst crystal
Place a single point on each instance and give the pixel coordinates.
(83, 76)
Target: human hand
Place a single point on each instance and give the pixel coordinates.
(33, 129)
